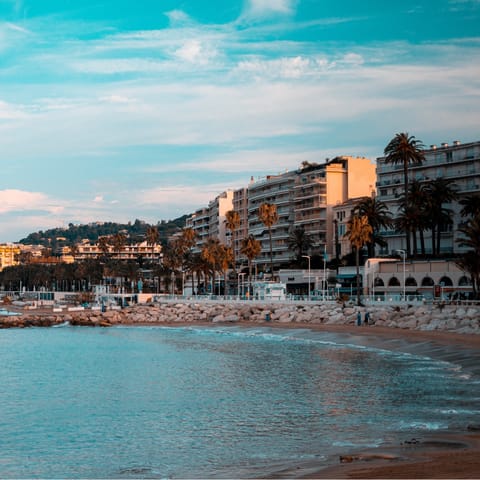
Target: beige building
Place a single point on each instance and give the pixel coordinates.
(86, 250)
(9, 255)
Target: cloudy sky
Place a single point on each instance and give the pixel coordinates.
(112, 110)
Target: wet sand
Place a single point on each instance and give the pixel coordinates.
(448, 455)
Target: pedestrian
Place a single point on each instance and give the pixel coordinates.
(367, 318)
(359, 319)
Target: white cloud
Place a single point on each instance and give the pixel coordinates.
(194, 52)
(98, 199)
(18, 200)
(260, 8)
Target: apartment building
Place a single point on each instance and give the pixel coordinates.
(8, 255)
(240, 205)
(210, 221)
(278, 190)
(320, 188)
(304, 198)
(458, 162)
(86, 250)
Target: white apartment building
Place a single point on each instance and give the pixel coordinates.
(86, 250)
(210, 221)
(459, 162)
(278, 190)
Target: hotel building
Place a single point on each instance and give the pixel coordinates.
(458, 162)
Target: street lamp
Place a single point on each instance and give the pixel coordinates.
(403, 254)
(308, 257)
(240, 285)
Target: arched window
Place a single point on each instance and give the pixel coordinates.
(427, 282)
(446, 281)
(379, 282)
(393, 282)
(410, 282)
(464, 281)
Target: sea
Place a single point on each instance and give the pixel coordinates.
(219, 401)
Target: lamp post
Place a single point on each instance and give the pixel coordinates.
(403, 254)
(308, 257)
(240, 285)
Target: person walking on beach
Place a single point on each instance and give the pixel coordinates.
(367, 318)
(359, 319)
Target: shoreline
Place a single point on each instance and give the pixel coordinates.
(435, 456)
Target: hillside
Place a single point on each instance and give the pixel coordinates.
(56, 238)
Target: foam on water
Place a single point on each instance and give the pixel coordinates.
(169, 402)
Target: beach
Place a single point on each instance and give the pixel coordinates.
(455, 455)
(443, 455)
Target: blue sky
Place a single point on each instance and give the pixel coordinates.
(115, 110)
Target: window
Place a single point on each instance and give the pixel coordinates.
(394, 282)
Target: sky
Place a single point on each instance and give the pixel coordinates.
(114, 110)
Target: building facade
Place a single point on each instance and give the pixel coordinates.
(457, 162)
(304, 198)
(9, 255)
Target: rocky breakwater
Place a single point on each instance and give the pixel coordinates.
(460, 319)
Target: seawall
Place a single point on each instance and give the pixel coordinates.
(459, 319)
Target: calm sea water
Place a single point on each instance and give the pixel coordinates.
(224, 402)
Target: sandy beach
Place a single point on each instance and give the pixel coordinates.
(452, 455)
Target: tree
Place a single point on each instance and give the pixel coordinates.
(211, 253)
(300, 242)
(118, 241)
(439, 192)
(251, 248)
(359, 233)
(153, 238)
(232, 222)
(268, 215)
(104, 246)
(470, 260)
(378, 217)
(405, 150)
(470, 205)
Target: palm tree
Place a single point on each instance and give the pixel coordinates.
(470, 261)
(300, 242)
(378, 216)
(251, 248)
(439, 192)
(104, 246)
(268, 215)
(405, 150)
(418, 201)
(471, 205)
(225, 259)
(211, 254)
(118, 241)
(232, 222)
(153, 237)
(359, 233)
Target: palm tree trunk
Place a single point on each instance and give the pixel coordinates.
(357, 262)
(422, 242)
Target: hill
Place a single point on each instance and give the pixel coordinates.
(56, 238)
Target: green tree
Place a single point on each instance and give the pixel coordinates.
(211, 253)
(379, 218)
(153, 238)
(268, 215)
(300, 242)
(251, 248)
(359, 233)
(470, 260)
(405, 150)
(439, 192)
(232, 222)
